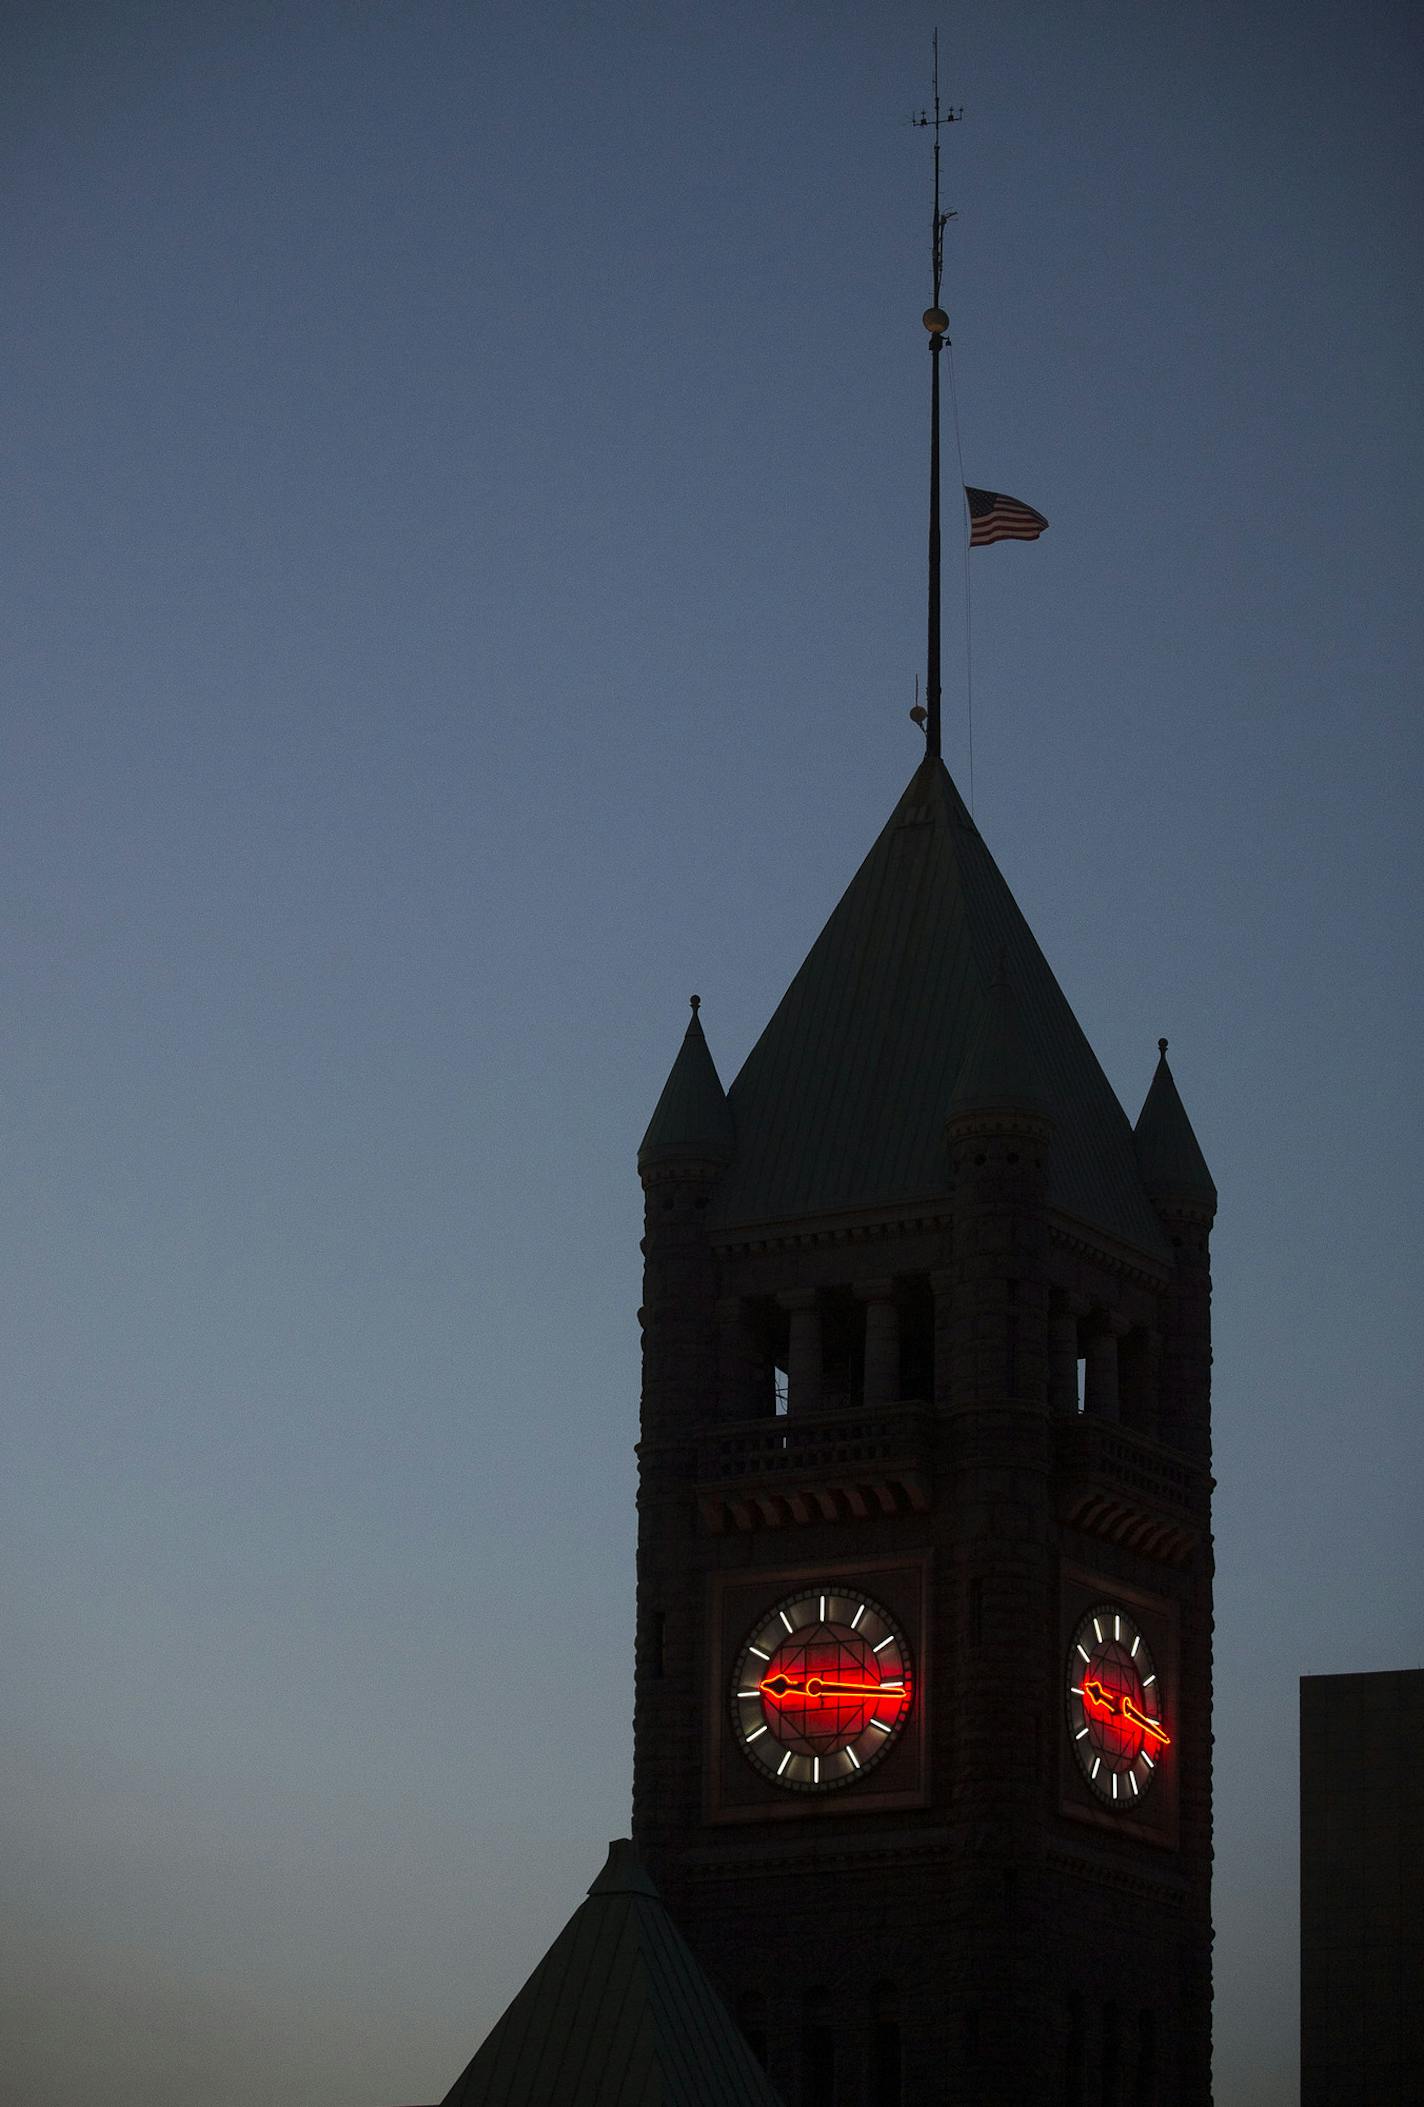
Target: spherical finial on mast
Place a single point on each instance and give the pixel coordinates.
(696, 1003)
(936, 321)
(1162, 1048)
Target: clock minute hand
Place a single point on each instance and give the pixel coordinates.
(821, 1686)
(1152, 1727)
(1103, 1700)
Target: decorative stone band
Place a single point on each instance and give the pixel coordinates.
(774, 1473)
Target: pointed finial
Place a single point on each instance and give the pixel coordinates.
(696, 1001)
(1162, 1048)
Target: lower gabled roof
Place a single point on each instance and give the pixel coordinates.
(617, 2014)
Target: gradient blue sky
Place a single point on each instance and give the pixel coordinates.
(464, 514)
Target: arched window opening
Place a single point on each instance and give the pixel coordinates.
(1136, 1382)
(842, 1350)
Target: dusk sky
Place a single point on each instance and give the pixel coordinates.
(463, 592)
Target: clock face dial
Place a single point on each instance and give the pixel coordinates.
(821, 1689)
(1116, 1715)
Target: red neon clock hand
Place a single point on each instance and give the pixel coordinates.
(1107, 1703)
(1151, 1727)
(820, 1686)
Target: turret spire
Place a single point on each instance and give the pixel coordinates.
(691, 1121)
(1174, 1170)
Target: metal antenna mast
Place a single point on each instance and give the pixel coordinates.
(937, 323)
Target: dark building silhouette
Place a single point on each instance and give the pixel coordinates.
(1362, 1890)
(923, 1714)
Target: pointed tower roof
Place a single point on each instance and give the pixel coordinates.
(1173, 1166)
(617, 2010)
(999, 1073)
(691, 1118)
(842, 1102)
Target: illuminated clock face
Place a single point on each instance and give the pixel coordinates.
(822, 1689)
(1116, 1708)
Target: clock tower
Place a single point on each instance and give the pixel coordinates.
(923, 1713)
(922, 1731)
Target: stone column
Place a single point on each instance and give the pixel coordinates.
(945, 1347)
(1101, 1388)
(1063, 1354)
(803, 1360)
(1137, 1385)
(744, 1385)
(1151, 1382)
(882, 1341)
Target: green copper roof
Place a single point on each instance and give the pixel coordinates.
(617, 2014)
(842, 1102)
(1173, 1166)
(691, 1118)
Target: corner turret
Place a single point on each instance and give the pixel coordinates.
(1180, 1187)
(1174, 1169)
(692, 1121)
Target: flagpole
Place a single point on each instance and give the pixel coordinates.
(932, 683)
(937, 323)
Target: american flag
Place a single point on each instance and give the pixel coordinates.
(996, 518)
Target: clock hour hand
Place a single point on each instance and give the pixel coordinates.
(822, 1686)
(1107, 1703)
